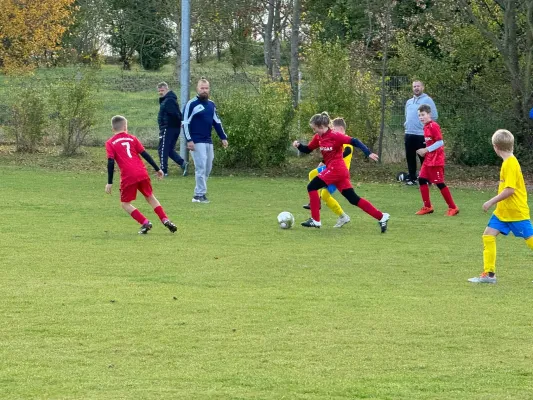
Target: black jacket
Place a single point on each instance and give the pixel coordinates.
(169, 112)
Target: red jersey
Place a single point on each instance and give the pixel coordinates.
(331, 146)
(433, 134)
(125, 149)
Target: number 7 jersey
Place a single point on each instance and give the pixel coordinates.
(125, 149)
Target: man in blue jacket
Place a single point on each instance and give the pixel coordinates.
(414, 129)
(169, 120)
(199, 118)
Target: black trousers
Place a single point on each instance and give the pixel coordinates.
(168, 138)
(412, 144)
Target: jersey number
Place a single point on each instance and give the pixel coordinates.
(127, 146)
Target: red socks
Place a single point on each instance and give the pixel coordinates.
(314, 202)
(447, 197)
(137, 216)
(424, 191)
(367, 207)
(161, 213)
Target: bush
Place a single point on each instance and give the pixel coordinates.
(75, 107)
(258, 124)
(28, 120)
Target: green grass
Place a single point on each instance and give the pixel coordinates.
(232, 307)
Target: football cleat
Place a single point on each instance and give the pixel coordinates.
(452, 211)
(311, 223)
(171, 227)
(343, 220)
(424, 211)
(308, 207)
(145, 228)
(483, 278)
(383, 222)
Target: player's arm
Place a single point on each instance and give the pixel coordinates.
(505, 193)
(150, 160)
(347, 151)
(306, 149)
(110, 172)
(437, 135)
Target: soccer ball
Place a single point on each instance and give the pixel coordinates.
(285, 220)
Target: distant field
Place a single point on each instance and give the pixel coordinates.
(232, 307)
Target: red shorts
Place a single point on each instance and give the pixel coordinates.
(434, 174)
(129, 193)
(340, 177)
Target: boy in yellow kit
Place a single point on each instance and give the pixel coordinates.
(339, 125)
(512, 211)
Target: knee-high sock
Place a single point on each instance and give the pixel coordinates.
(314, 202)
(445, 191)
(529, 242)
(331, 202)
(489, 253)
(367, 207)
(424, 191)
(137, 216)
(161, 214)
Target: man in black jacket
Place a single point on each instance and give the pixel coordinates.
(169, 120)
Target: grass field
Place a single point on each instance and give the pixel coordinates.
(232, 307)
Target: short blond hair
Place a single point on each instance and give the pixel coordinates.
(118, 122)
(202, 80)
(503, 140)
(339, 122)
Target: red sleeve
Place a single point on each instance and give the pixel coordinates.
(313, 144)
(343, 139)
(139, 148)
(109, 150)
(436, 133)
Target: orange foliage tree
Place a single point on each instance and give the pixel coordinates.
(28, 29)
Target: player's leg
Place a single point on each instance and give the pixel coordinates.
(314, 201)
(334, 206)
(493, 229)
(162, 151)
(367, 207)
(199, 156)
(127, 195)
(312, 174)
(445, 192)
(158, 209)
(423, 182)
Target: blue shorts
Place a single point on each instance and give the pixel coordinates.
(522, 229)
(331, 188)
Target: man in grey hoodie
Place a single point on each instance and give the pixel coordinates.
(414, 130)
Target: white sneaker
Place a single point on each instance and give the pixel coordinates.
(483, 278)
(343, 220)
(383, 222)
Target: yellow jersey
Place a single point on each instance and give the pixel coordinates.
(513, 208)
(348, 158)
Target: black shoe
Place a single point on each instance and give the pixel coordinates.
(383, 222)
(410, 182)
(308, 207)
(145, 228)
(185, 168)
(171, 227)
(310, 223)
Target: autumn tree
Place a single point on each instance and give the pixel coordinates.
(28, 29)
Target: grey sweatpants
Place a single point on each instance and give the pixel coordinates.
(203, 156)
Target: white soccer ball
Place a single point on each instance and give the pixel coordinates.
(285, 220)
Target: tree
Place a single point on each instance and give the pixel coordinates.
(295, 50)
(30, 28)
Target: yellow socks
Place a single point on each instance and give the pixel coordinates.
(331, 202)
(489, 253)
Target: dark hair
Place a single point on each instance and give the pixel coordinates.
(339, 121)
(425, 108)
(321, 119)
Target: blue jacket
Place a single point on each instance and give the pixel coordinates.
(169, 112)
(199, 118)
(412, 124)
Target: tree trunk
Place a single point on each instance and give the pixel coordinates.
(268, 38)
(276, 72)
(295, 44)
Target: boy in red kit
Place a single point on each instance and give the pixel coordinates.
(336, 173)
(125, 149)
(433, 166)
